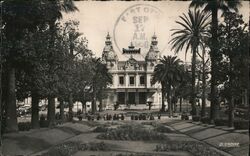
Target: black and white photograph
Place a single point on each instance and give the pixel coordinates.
(124, 78)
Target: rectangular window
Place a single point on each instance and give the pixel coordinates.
(131, 80)
(121, 80)
(142, 80)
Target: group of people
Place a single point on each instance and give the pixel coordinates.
(114, 117)
(122, 117)
(106, 117)
(144, 117)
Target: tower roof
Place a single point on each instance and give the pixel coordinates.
(131, 49)
(108, 53)
(153, 53)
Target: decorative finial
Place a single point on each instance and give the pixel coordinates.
(154, 36)
(108, 36)
(131, 45)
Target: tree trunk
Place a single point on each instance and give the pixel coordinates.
(231, 100)
(203, 104)
(173, 104)
(180, 104)
(169, 104)
(84, 106)
(100, 99)
(170, 107)
(51, 111)
(1, 117)
(35, 110)
(163, 92)
(163, 101)
(213, 53)
(70, 107)
(100, 106)
(11, 115)
(193, 90)
(61, 109)
(94, 100)
(231, 112)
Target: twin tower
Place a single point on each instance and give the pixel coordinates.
(132, 74)
(110, 57)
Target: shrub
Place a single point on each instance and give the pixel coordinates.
(205, 120)
(24, 126)
(65, 149)
(132, 132)
(241, 124)
(69, 148)
(196, 118)
(101, 128)
(101, 146)
(196, 148)
(163, 129)
(44, 123)
(221, 122)
(135, 154)
(154, 124)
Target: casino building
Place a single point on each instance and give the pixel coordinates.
(132, 73)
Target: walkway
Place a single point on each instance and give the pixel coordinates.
(235, 142)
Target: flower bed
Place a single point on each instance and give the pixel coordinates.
(241, 124)
(132, 132)
(221, 122)
(154, 124)
(196, 118)
(69, 148)
(163, 129)
(205, 120)
(101, 128)
(138, 154)
(196, 148)
(24, 126)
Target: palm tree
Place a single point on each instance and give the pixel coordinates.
(214, 6)
(168, 72)
(203, 70)
(193, 31)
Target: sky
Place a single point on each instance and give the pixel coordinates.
(133, 21)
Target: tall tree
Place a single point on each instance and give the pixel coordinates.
(214, 6)
(27, 15)
(233, 37)
(203, 70)
(169, 73)
(101, 79)
(53, 12)
(183, 89)
(194, 30)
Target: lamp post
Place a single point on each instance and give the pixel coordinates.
(1, 29)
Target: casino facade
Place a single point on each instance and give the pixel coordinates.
(132, 74)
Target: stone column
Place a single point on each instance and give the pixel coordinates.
(115, 97)
(137, 80)
(148, 83)
(126, 80)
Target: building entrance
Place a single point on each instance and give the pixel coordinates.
(131, 98)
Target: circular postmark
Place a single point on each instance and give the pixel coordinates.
(137, 24)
